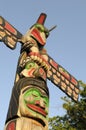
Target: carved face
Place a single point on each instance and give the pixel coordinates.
(39, 33)
(33, 70)
(29, 69)
(34, 102)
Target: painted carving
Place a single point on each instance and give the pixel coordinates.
(29, 104)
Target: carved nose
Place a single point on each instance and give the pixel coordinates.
(40, 103)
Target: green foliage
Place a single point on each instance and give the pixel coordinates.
(59, 123)
(75, 117)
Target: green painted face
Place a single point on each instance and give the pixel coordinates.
(34, 102)
(39, 33)
(37, 101)
(41, 28)
(29, 69)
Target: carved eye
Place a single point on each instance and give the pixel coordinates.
(35, 93)
(39, 28)
(29, 65)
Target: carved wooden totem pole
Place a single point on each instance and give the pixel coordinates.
(28, 108)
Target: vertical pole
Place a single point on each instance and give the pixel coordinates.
(28, 108)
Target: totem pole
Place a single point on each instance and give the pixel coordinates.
(28, 108)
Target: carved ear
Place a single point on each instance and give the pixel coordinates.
(41, 18)
(8, 34)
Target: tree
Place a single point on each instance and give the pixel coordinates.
(75, 117)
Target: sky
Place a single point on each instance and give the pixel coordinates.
(66, 44)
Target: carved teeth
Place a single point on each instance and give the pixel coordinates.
(46, 67)
(35, 58)
(32, 57)
(43, 64)
(40, 61)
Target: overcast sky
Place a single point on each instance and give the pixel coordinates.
(66, 44)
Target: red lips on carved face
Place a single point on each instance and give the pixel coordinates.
(37, 109)
(36, 34)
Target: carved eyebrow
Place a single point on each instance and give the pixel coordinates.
(26, 89)
(43, 94)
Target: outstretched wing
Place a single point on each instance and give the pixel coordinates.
(63, 79)
(8, 34)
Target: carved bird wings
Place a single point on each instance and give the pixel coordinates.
(8, 34)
